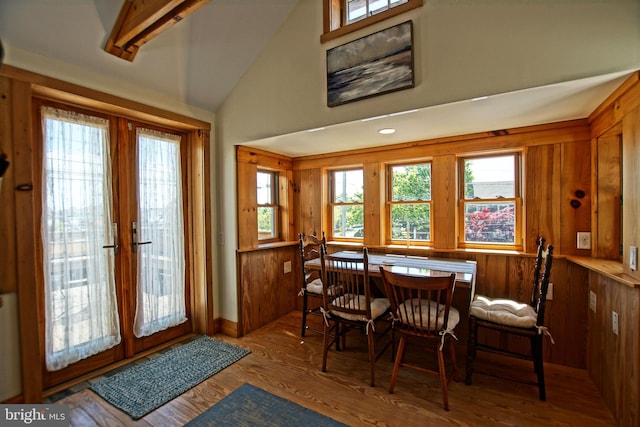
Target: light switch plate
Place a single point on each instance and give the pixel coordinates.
(633, 258)
(592, 301)
(287, 267)
(614, 322)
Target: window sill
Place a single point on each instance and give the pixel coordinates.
(425, 251)
(266, 246)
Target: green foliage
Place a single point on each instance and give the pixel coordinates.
(411, 183)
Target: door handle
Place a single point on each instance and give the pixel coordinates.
(115, 245)
(134, 238)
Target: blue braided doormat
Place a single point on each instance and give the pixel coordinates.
(250, 406)
(145, 387)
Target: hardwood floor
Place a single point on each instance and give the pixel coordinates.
(287, 366)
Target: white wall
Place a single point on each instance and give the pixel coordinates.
(463, 49)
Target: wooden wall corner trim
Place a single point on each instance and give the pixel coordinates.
(227, 327)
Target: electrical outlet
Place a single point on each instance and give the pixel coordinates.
(592, 301)
(633, 258)
(614, 322)
(550, 292)
(584, 240)
(287, 267)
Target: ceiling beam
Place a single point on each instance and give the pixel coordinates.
(141, 20)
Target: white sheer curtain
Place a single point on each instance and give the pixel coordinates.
(160, 300)
(80, 298)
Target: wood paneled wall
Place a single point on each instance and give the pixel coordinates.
(265, 292)
(613, 361)
(8, 284)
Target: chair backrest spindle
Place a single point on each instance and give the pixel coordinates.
(544, 286)
(535, 290)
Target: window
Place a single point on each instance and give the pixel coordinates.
(100, 188)
(490, 200)
(347, 204)
(409, 203)
(267, 192)
(81, 310)
(345, 16)
(360, 9)
(160, 227)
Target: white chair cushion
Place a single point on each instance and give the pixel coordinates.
(315, 286)
(428, 317)
(504, 312)
(378, 306)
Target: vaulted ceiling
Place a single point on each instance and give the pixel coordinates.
(199, 58)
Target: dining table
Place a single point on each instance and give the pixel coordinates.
(465, 270)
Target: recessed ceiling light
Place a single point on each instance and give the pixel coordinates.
(479, 98)
(387, 131)
(316, 129)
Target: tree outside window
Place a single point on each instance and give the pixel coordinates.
(491, 199)
(409, 203)
(347, 204)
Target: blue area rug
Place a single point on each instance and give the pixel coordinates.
(142, 388)
(250, 406)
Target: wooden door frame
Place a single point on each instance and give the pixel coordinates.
(23, 86)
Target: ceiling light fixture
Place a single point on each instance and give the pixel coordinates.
(479, 98)
(316, 129)
(386, 131)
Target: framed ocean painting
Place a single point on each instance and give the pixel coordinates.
(379, 63)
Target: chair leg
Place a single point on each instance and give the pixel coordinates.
(396, 365)
(304, 313)
(443, 377)
(326, 344)
(536, 343)
(471, 349)
(454, 361)
(372, 357)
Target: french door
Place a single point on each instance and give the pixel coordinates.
(112, 228)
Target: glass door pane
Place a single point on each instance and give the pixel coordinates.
(81, 309)
(158, 235)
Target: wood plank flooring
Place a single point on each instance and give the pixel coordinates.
(287, 366)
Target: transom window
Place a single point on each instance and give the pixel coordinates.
(490, 200)
(360, 9)
(268, 207)
(345, 16)
(409, 203)
(346, 202)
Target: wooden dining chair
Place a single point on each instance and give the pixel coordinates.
(311, 290)
(515, 318)
(421, 310)
(353, 308)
